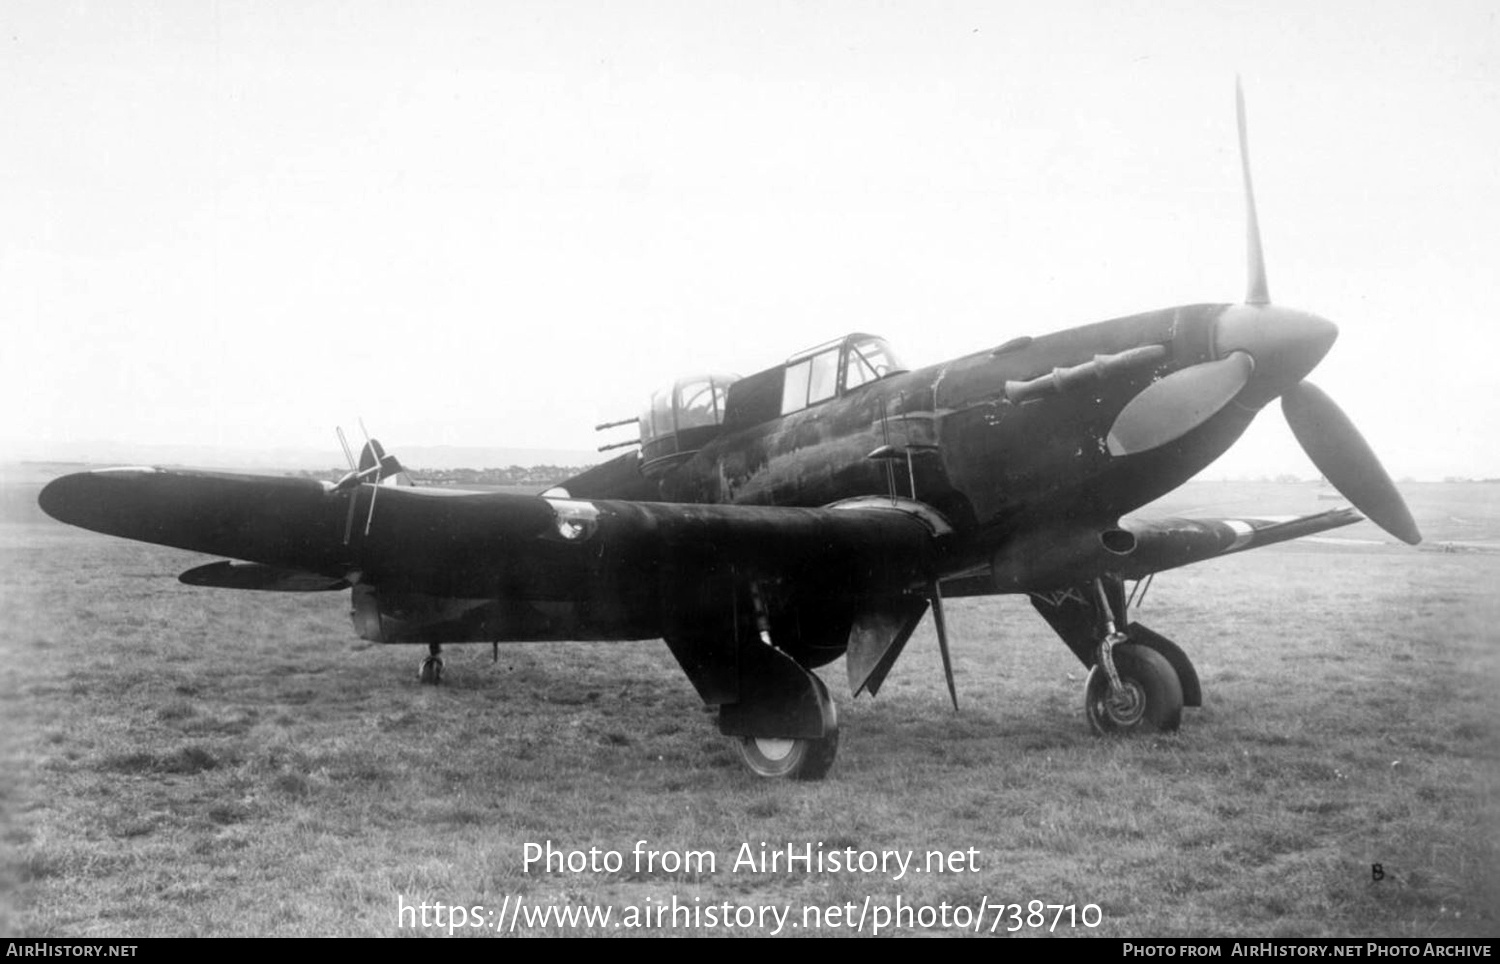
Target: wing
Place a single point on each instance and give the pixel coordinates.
(1162, 544)
(466, 544)
(1058, 557)
(747, 597)
(285, 523)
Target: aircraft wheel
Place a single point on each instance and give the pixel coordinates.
(791, 759)
(1151, 701)
(432, 670)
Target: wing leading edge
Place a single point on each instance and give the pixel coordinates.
(1162, 544)
(278, 522)
(487, 544)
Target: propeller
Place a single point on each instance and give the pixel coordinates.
(1257, 293)
(1262, 351)
(1172, 407)
(1345, 459)
(1168, 409)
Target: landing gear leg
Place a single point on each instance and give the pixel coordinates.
(1144, 695)
(1131, 689)
(1127, 691)
(784, 722)
(432, 666)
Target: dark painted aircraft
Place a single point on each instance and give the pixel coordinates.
(770, 524)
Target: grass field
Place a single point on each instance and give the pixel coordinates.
(184, 761)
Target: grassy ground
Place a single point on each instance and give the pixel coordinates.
(181, 761)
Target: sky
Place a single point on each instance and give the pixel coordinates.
(238, 225)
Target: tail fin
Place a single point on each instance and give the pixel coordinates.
(376, 466)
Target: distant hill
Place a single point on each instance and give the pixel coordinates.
(534, 477)
(457, 457)
(436, 457)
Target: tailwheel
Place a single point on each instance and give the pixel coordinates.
(1149, 699)
(791, 759)
(432, 670)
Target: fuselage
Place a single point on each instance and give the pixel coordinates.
(1001, 442)
(1011, 468)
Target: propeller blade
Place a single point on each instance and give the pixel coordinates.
(1346, 460)
(942, 635)
(1168, 409)
(1257, 293)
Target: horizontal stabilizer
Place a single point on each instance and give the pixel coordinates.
(249, 575)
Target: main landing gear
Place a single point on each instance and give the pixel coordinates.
(1139, 680)
(775, 709)
(795, 758)
(783, 722)
(431, 673)
(1131, 689)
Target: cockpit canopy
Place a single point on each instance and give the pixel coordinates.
(680, 420)
(835, 368)
(810, 378)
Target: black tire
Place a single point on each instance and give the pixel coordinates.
(794, 759)
(432, 671)
(798, 759)
(1152, 697)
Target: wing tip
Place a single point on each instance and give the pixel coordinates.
(65, 495)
